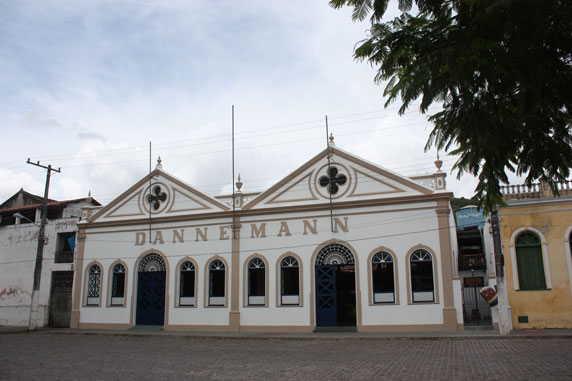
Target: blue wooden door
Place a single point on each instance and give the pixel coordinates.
(326, 296)
(151, 298)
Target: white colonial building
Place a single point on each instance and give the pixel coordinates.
(337, 243)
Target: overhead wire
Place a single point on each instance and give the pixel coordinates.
(209, 188)
(430, 215)
(164, 146)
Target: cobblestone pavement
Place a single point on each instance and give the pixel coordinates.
(45, 355)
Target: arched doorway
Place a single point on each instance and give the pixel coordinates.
(151, 279)
(335, 287)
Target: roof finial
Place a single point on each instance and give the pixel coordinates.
(238, 184)
(332, 139)
(438, 162)
(89, 193)
(159, 163)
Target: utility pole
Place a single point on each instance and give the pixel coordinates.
(34, 304)
(505, 318)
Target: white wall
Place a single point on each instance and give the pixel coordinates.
(389, 226)
(18, 248)
(105, 246)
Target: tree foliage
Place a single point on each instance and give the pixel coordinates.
(458, 203)
(502, 70)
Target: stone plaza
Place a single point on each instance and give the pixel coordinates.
(91, 355)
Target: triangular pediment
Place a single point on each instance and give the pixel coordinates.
(298, 191)
(349, 177)
(158, 194)
(185, 201)
(367, 184)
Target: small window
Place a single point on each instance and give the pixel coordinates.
(382, 276)
(65, 246)
(93, 285)
(187, 284)
(290, 281)
(529, 262)
(256, 282)
(217, 283)
(422, 285)
(118, 285)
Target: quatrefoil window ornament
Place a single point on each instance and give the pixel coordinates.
(156, 197)
(332, 180)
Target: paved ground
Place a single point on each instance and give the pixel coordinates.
(53, 355)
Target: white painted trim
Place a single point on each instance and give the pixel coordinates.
(544, 247)
(520, 230)
(515, 281)
(568, 253)
(546, 266)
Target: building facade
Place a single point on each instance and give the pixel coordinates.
(20, 217)
(340, 242)
(536, 230)
(476, 266)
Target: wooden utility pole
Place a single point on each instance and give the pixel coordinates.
(33, 322)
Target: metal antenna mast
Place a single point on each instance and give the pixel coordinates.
(330, 177)
(150, 159)
(233, 195)
(32, 324)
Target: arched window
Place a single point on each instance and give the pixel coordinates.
(289, 281)
(187, 284)
(382, 276)
(152, 262)
(335, 254)
(256, 282)
(217, 283)
(529, 262)
(93, 285)
(118, 285)
(422, 285)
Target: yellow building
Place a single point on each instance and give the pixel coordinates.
(536, 231)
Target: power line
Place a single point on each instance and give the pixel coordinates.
(226, 150)
(163, 146)
(205, 188)
(381, 222)
(259, 249)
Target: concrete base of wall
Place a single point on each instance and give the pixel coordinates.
(113, 326)
(19, 316)
(276, 328)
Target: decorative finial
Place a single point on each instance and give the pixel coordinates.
(438, 163)
(238, 184)
(89, 193)
(159, 163)
(332, 139)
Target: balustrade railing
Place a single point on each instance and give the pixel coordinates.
(472, 262)
(534, 190)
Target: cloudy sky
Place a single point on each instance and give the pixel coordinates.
(86, 85)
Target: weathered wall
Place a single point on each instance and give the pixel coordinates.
(551, 219)
(18, 248)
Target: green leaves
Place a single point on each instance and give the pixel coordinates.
(502, 71)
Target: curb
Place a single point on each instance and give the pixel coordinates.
(321, 337)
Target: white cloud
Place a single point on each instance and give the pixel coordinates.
(110, 76)
(12, 181)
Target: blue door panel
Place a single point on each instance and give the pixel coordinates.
(326, 296)
(151, 298)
